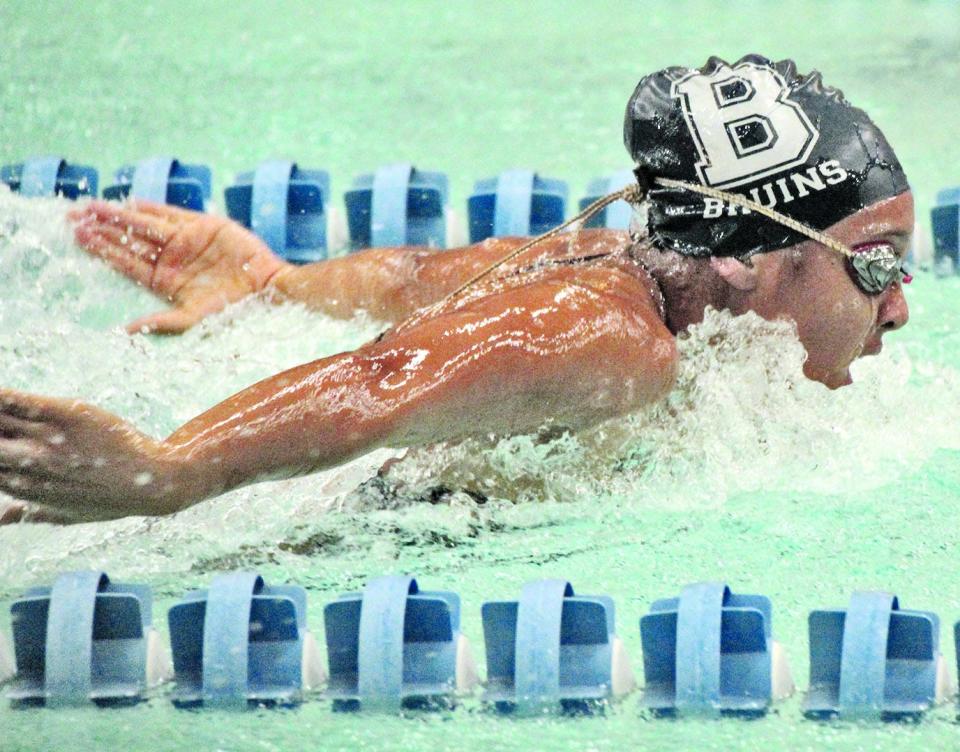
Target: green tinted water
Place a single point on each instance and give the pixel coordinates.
(757, 477)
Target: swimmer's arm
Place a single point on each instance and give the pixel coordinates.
(200, 263)
(390, 284)
(571, 351)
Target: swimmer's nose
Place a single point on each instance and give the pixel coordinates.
(893, 312)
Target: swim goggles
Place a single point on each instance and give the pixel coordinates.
(877, 267)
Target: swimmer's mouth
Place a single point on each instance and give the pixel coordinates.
(872, 348)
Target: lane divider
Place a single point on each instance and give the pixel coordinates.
(287, 206)
(8, 666)
(553, 651)
(85, 640)
(392, 647)
(395, 646)
(50, 175)
(243, 642)
(291, 208)
(163, 180)
(711, 652)
(873, 661)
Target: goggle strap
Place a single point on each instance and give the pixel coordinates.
(741, 201)
(634, 194)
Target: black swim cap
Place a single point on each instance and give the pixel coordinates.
(760, 129)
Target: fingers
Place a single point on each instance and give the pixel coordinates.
(20, 486)
(17, 454)
(12, 512)
(123, 240)
(17, 511)
(71, 457)
(172, 214)
(34, 470)
(18, 461)
(41, 412)
(21, 405)
(12, 427)
(130, 237)
(135, 211)
(121, 237)
(152, 227)
(175, 321)
(116, 254)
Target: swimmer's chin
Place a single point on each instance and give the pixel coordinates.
(830, 379)
(839, 380)
(833, 380)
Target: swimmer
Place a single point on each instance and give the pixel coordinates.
(814, 219)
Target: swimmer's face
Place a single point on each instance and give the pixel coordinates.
(837, 322)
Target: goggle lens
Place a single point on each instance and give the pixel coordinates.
(875, 268)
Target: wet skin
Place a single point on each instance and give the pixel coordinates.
(535, 343)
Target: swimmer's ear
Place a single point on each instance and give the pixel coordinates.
(742, 276)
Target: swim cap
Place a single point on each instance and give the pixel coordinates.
(757, 128)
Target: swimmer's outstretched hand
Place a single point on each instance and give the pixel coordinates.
(198, 262)
(82, 463)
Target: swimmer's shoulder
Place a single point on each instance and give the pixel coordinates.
(598, 258)
(617, 254)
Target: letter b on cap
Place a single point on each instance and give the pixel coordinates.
(744, 124)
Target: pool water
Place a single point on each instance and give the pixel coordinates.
(748, 473)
